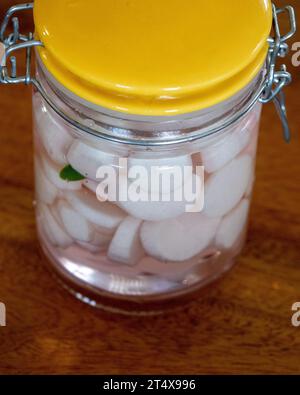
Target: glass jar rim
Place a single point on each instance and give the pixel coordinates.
(141, 130)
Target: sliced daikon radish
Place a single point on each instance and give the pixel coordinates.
(87, 159)
(55, 136)
(162, 170)
(46, 192)
(150, 210)
(218, 155)
(103, 214)
(90, 247)
(251, 148)
(99, 243)
(38, 144)
(101, 239)
(233, 225)
(76, 225)
(197, 160)
(178, 239)
(52, 171)
(90, 185)
(49, 234)
(173, 271)
(56, 233)
(226, 188)
(153, 211)
(126, 246)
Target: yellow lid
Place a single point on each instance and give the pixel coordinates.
(153, 57)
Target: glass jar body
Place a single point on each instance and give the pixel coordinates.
(155, 246)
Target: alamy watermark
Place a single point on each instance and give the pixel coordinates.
(2, 314)
(124, 183)
(296, 316)
(296, 54)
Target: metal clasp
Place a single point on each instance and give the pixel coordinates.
(277, 80)
(13, 42)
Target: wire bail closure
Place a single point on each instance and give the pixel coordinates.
(272, 89)
(277, 80)
(14, 42)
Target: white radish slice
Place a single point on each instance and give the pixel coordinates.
(52, 171)
(46, 192)
(90, 185)
(90, 247)
(226, 188)
(126, 246)
(233, 225)
(49, 234)
(218, 155)
(197, 160)
(150, 210)
(251, 148)
(87, 159)
(153, 211)
(38, 144)
(54, 135)
(103, 214)
(163, 169)
(76, 225)
(178, 239)
(173, 271)
(101, 239)
(56, 233)
(99, 243)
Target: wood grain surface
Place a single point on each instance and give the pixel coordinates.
(240, 325)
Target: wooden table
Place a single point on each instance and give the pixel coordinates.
(241, 325)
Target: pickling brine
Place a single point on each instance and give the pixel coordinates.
(141, 247)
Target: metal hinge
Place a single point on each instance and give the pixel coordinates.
(277, 80)
(14, 42)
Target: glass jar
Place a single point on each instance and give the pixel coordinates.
(142, 250)
(136, 212)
